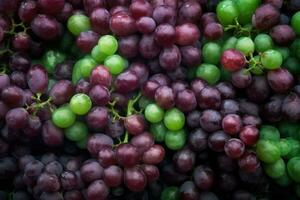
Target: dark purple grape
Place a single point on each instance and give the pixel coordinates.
(13, 96)
(73, 195)
(217, 140)
(184, 160)
(127, 155)
(100, 21)
(198, 140)
(186, 100)
(33, 127)
(189, 11)
(227, 182)
(120, 99)
(140, 9)
(107, 157)
(141, 71)
(45, 27)
(21, 41)
(282, 34)
(178, 74)
(209, 98)
(164, 14)
(86, 41)
(165, 34)
(52, 135)
(135, 179)
(210, 120)
(97, 190)
(187, 34)
(126, 82)
(114, 128)
(149, 89)
(213, 31)
(82, 86)
(50, 7)
(248, 162)
(91, 170)
(165, 97)
(91, 5)
(135, 124)
(154, 155)
(249, 108)
(17, 118)
(54, 167)
(192, 119)
(122, 24)
(265, 17)
(18, 78)
(48, 182)
(51, 196)
(226, 163)
(148, 47)
(33, 170)
(229, 106)
(232, 124)
(66, 12)
(272, 110)
(100, 75)
(113, 176)
(117, 9)
(234, 148)
(4, 81)
(203, 177)
(97, 142)
(207, 18)
(72, 165)
(191, 56)
(178, 86)
(145, 25)
(251, 120)
(259, 90)
(291, 107)
(97, 118)
(170, 58)
(19, 61)
(27, 10)
(99, 95)
(61, 92)
(171, 176)
(241, 78)
(142, 142)
(280, 80)
(63, 70)
(161, 79)
(37, 79)
(129, 46)
(189, 191)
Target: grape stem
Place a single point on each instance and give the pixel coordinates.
(238, 29)
(39, 104)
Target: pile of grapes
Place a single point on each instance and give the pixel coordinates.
(149, 99)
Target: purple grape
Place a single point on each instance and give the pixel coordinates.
(100, 20)
(52, 135)
(129, 46)
(91, 171)
(87, 40)
(37, 79)
(45, 27)
(97, 142)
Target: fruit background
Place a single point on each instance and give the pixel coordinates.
(149, 99)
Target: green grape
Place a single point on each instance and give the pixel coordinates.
(86, 66)
(292, 64)
(267, 151)
(170, 193)
(257, 70)
(51, 58)
(208, 72)
(294, 148)
(246, 9)
(285, 147)
(76, 73)
(294, 169)
(82, 143)
(158, 131)
(211, 53)
(175, 140)
(174, 119)
(143, 102)
(284, 180)
(225, 74)
(77, 132)
(263, 42)
(154, 113)
(271, 59)
(245, 45)
(229, 43)
(227, 12)
(63, 117)
(78, 23)
(289, 129)
(97, 55)
(80, 104)
(276, 169)
(268, 132)
(108, 44)
(284, 51)
(115, 63)
(295, 22)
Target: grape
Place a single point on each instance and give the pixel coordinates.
(114, 128)
(100, 20)
(175, 140)
(48, 182)
(158, 131)
(211, 53)
(127, 155)
(227, 12)
(258, 91)
(208, 72)
(78, 23)
(115, 64)
(268, 151)
(232, 124)
(246, 9)
(203, 177)
(19, 61)
(45, 27)
(113, 176)
(280, 80)
(187, 34)
(73, 195)
(129, 46)
(52, 135)
(170, 58)
(61, 92)
(164, 14)
(51, 7)
(154, 155)
(275, 170)
(188, 190)
(165, 97)
(91, 171)
(135, 179)
(234, 148)
(86, 41)
(140, 9)
(217, 141)
(141, 70)
(145, 25)
(241, 78)
(77, 132)
(186, 100)
(282, 34)
(27, 10)
(20, 42)
(142, 142)
(171, 192)
(249, 134)
(184, 160)
(13, 96)
(174, 119)
(210, 120)
(213, 31)
(97, 190)
(53, 167)
(233, 60)
(66, 12)
(295, 21)
(290, 107)
(63, 117)
(165, 34)
(151, 172)
(51, 196)
(126, 82)
(135, 124)
(99, 95)
(189, 11)
(209, 98)
(90, 5)
(148, 47)
(17, 118)
(97, 142)
(263, 42)
(245, 45)
(153, 113)
(63, 70)
(265, 17)
(190, 56)
(122, 24)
